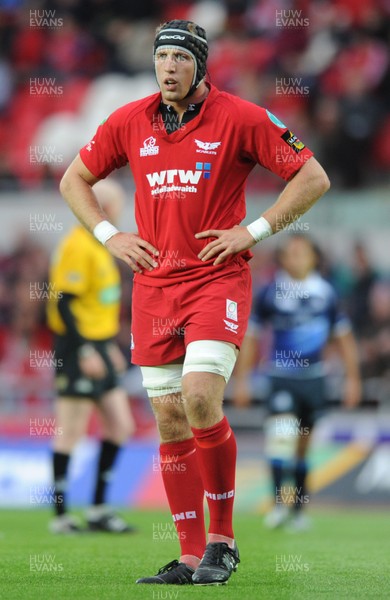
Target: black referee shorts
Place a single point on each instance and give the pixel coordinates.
(305, 398)
(70, 381)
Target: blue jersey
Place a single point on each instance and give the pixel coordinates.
(303, 314)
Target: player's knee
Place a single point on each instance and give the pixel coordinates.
(172, 422)
(202, 392)
(116, 416)
(281, 437)
(120, 431)
(199, 406)
(129, 427)
(125, 427)
(163, 385)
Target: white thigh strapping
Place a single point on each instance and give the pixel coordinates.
(162, 380)
(210, 356)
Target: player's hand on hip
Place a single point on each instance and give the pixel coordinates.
(93, 365)
(133, 250)
(227, 242)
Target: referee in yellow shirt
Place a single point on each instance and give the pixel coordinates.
(84, 316)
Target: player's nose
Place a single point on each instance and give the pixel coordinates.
(170, 64)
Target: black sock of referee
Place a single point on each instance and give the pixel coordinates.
(277, 469)
(300, 475)
(60, 468)
(108, 453)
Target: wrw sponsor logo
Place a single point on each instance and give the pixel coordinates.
(173, 176)
(178, 180)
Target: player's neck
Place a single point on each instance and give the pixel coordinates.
(199, 95)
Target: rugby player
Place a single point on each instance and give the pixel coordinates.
(301, 308)
(190, 148)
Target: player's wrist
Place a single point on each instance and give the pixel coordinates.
(260, 229)
(104, 231)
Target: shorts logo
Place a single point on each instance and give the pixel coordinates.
(231, 326)
(231, 310)
(207, 147)
(149, 147)
(132, 345)
(293, 141)
(83, 385)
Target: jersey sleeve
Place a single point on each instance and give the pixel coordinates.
(267, 141)
(69, 319)
(105, 152)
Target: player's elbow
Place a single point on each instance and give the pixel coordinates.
(69, 182)
(324, 183)
(76, 177)
(316, 177)
(64, 186)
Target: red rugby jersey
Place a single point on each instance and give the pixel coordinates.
(193, 179)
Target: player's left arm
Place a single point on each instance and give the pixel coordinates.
(302, 191)
(348, 350)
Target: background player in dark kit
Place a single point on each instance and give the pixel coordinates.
(302, 310)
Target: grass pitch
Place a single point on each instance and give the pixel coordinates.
(344, 556)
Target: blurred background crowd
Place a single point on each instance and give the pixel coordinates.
(323, 67)
(26, 359)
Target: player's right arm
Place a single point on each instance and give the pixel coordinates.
(76, 188)
(348, 350)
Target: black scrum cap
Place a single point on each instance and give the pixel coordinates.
(187, 36)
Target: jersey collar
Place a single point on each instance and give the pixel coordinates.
(157, 122)
(170, 116)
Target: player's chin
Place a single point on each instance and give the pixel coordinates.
(172, 95)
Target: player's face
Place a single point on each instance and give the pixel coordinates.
(298, 258)
(174, 71)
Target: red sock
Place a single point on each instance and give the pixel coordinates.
(217, 453)
(184, 489)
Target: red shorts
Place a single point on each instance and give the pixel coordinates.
(166, 319)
